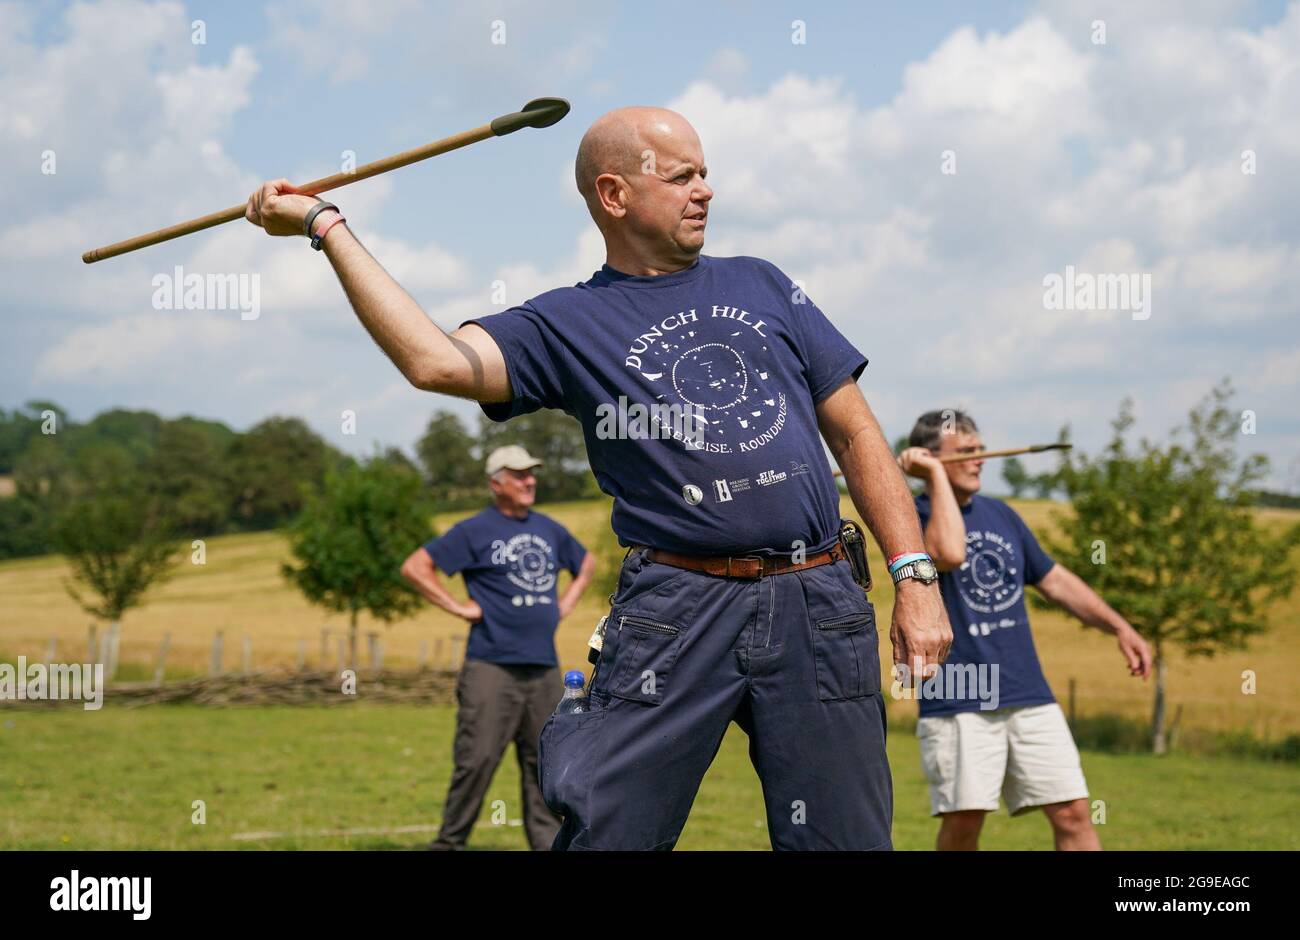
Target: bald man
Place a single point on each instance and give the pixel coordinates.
(701, 384)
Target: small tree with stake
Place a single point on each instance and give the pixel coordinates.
(1167, 536)
(351, 540)
(119, 544)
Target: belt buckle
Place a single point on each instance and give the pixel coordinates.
(756, 558)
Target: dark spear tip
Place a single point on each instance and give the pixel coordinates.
(540, 112)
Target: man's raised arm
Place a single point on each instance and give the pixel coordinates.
(467, 362)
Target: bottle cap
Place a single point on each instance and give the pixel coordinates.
(574, 679)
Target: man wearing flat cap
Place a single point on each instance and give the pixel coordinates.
(510, 556)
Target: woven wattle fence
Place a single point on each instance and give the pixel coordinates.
(424, 686)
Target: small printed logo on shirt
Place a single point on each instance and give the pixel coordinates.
(528, 600)
(722, 491)
(768, 477)
(987, 627)
(692, 494)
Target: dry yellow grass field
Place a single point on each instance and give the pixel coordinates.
(240, 591)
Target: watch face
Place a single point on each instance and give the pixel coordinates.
(925, 570)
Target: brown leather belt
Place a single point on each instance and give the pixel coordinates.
(746, 567)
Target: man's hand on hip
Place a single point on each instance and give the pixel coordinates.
(470, 610)
(919, 628)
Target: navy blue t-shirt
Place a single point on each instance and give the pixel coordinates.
(985, 599)
(728, 341)
(511, 567)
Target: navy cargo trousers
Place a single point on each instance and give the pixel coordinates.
(792, 658)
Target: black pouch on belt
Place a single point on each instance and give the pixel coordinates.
(855, 549)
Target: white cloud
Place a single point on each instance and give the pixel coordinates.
(1117, 158)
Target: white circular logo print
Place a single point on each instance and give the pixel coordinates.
(712, 377)
(692, 494)
(528, 559)
(717, 362)
(988, 580)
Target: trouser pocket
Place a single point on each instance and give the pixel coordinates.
(564, 761)
(641, 659)
(846, 656)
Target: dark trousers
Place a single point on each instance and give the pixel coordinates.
(791, 658)
(498, 704)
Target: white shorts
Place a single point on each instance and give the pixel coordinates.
(1026, 754)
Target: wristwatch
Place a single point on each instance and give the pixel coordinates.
(922, 569)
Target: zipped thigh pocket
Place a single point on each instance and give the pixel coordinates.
(846, 656)
(641, 658)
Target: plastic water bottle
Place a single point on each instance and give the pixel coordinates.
(575, 699)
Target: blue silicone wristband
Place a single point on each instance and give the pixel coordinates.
(906, 559)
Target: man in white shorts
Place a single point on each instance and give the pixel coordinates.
(989, 723)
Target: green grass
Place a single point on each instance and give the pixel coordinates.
(126, 779)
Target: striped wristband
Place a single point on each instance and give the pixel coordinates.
(325, 227)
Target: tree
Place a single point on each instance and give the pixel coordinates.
(136, 432)
(18, 427)
(269, 468)
(351, 539)
(118, 541)
(184, 472)
(1167, 536)
(1015, 476)
(452, 468)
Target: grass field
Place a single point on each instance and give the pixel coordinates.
(240, 591)
(127, 779)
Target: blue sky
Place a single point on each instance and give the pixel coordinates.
(1113, 158)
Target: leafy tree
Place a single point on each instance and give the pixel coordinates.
(136, 432)
(117, 539)
(218, 433)
(554, 438)
(184, 472)
(269, 467)
(351, 539)
(452, 466)
(1167, 536)
(18, 427)
(23, 529)
(1015, 476)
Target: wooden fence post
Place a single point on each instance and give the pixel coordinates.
(437, 654)
(424, 655)
(215, 668)
(92, 645)
(302, 655)
(51, 651)
(376, 656)
(247, 659)
(161, 668)
(340, 654)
